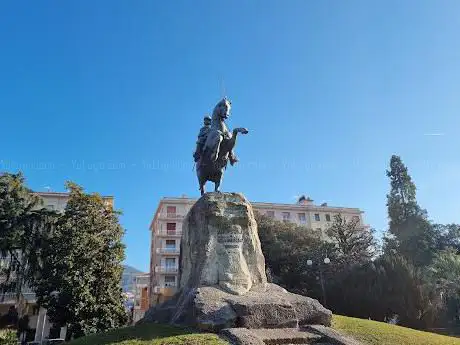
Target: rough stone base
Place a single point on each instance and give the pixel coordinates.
(212, 309)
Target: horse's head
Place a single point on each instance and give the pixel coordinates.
(222, 109)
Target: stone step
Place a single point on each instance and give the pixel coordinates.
(275, 336)
(271, 336)
(307, 335)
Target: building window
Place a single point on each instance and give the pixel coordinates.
(286, 216)
(317, 218)
(170, 262)
(356, 219)
(302, 218)
(170, 244)
(170, 227)
(328, 217)
(171, 210)
(170, 281)
(35, 310)
(50, 207)
(270, 214)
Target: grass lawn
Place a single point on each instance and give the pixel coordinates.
(373, 333)
(150, 334)
(368, 332)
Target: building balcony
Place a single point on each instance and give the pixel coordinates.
(168, 289)
(170, 216)
(10, 298)
(170, 251)
(171, 233)
(166, 269)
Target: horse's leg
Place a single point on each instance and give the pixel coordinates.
(216, 186)
(231, 145)
(200, 171)
(215, 153)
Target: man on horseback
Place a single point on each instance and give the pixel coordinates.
(215, 146)
(202, 138)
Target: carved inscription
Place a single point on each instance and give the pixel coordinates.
(230, 240)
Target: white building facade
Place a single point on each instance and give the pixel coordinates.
(166, 232)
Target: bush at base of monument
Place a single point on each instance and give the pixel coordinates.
(8, 337)
(223, 282)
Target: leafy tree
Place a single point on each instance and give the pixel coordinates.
(354, 244)
(359, 291)
(410, 232)
(445, 272)
(409, 293)
(449, 236)
(286, 248)
(78, 278)
(16, 207)
(22, 223)
(446, 269)
(384, 288)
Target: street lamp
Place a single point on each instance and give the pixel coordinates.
(326, 261)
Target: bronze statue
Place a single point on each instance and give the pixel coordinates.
(202, 138)
(215, 146)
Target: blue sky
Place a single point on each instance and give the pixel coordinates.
(111, 94)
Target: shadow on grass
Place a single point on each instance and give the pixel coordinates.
(140, 333)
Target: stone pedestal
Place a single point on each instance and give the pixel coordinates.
(220, 245)
(223, 282)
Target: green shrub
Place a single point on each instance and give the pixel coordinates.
(8, 337)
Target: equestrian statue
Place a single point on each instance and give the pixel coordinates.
(214, 147)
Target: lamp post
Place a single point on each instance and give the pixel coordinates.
(326, 261)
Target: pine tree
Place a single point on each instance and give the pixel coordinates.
(79, 279)
(410, 233)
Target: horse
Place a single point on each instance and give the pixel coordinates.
(218, 147)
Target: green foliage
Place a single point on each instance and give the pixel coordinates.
(386, 287)
(401, 201)
(17, 206)
(150, 334)
(286, 248)
(359, 292)
(445, 273)
(355, 244)
(446, 269)
(22, 223)
(410, 293)
(8, 337)
(448, 236)
(410, 233)
(79, 278)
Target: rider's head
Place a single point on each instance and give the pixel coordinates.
(207, 121)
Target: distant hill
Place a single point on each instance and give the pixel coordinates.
(127, 279)
(130, 270)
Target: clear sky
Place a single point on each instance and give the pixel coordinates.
(111, 94)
